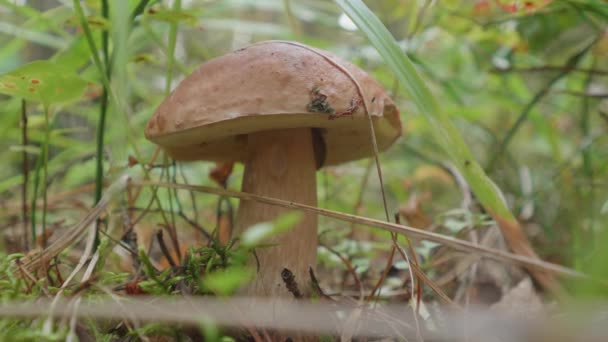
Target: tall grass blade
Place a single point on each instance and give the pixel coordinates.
(443, 129)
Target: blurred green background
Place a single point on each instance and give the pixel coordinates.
(525, 83)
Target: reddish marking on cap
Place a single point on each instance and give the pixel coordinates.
(9, 85)
(32, 90)
(161, 123)
(35, 81)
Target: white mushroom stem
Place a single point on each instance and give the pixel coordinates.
(281, 164)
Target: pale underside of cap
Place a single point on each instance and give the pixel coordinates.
(269, 86)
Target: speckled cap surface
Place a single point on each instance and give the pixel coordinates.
(268, 86)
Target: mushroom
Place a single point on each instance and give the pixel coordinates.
(284, 109)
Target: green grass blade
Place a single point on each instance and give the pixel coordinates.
(443, 129)
(103, 110)
(488, 194)
(172, 41)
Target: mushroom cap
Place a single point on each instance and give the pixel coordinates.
(274, 85)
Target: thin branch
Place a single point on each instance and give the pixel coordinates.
(457, 244)
(350, 268)
(33, 261)
(583, 94)
(164, 249)
(549, 68)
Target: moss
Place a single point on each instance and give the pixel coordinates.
(319, 103)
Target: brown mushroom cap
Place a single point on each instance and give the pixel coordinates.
(273, 85)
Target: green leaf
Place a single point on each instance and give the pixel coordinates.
(28, 149)
(258, 233)
(95, 22)
(172, 15)
(443, 129)
(227, 281)
(43, 81)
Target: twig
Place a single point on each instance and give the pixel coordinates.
(31, 277)
(544, 68)
(387, 268)
(33, 262)
(415, 265)
(351, 270)
(583, 94)
(359, 203)
(416, 286)
(180, 214)
(90, 246)
(457, 244)
(164, 249)
(410, 268)
(316, 286)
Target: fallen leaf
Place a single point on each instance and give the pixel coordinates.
(521, 301)
(221, 172)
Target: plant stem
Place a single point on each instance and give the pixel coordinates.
(586, 243)
(45, 172)
(172, 41)
(26, 171)
(139, 9)
(102, 119)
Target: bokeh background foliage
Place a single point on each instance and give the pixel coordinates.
(523, 83)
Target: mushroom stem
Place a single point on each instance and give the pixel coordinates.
(281, 164)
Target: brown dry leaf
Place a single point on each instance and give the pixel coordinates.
(224, 229)
(163, 263)
(145, 233)
(432, 173)
(428, 174)
(221, 172)
(521, 301)
(43, 238)
(133, 289)
(413, 213)
(520, 244)
(484, 292)
(132, 161)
